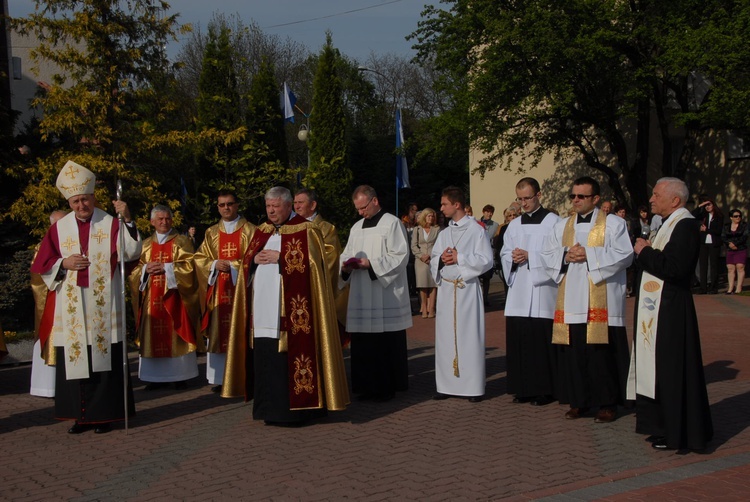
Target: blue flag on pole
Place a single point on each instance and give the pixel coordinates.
(288, 99)
(402, 168)
(183, 195)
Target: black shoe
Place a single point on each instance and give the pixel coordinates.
(660, 445)
(439, 397)
(181, 385)
(154, 386)
(476, 399)
(654, 438)
(522, 399)
(216, 389)
(102, 429)
(541, 401)
(78, 428)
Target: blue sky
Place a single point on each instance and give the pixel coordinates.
(378, 25)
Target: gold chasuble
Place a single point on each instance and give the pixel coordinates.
(308, 330)
(166, 318)
(217, 322)
(597, 321)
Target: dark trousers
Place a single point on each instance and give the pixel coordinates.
(96, 399)
(379, 363)
(709, 258)
(271, 385)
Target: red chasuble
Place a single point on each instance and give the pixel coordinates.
(229, 249)
(165, 307)
(296, 321)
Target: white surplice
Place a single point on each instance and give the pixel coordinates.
(474, 259)
(381, 305)
(607, 263)
(531, 292)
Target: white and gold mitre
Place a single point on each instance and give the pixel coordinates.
(74, 179)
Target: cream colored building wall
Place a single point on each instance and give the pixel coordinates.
(498, 187)
(725, 180)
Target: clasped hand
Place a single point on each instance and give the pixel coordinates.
(519, 256)
(576, 254)
(450, 256)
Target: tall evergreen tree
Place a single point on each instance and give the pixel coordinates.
(328, 172)
(218, 99)
(264, 119)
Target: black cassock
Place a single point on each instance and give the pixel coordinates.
(680, 411)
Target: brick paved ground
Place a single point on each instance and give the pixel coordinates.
(193, 445)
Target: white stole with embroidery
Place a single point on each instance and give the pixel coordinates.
(649, 303)
(86, 313)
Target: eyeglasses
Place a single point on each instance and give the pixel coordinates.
(579, 196)
(363, 207)
(525, 199)
(736, 216)
(226, 204)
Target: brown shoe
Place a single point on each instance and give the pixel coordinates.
(574, 413)
(605, 415)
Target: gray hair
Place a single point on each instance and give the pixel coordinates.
(161, 208)
(279, 193)
(676, 187)
(365, 190)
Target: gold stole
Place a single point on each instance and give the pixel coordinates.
(96, 318)
(597, 319)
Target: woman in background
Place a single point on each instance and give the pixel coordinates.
(422, 240)
(735, 237)
(712, 224)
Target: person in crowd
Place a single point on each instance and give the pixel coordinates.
(530, 302)
(622, 212)
(666, 376)
(491, 228)
(734, 236)
(306, 204)
(43, 359)
(373, 263)
(410, 218)
(511, 212)
(422, 240)
(712, 224)
(217, 265)
(291, 364)
(192, 237)
(410, 223)
(606, 207)
(462, 253)
(78, 259)
(644, 221)
(587, 255)
(166, 305)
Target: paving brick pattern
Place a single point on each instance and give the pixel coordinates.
(193, 445)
